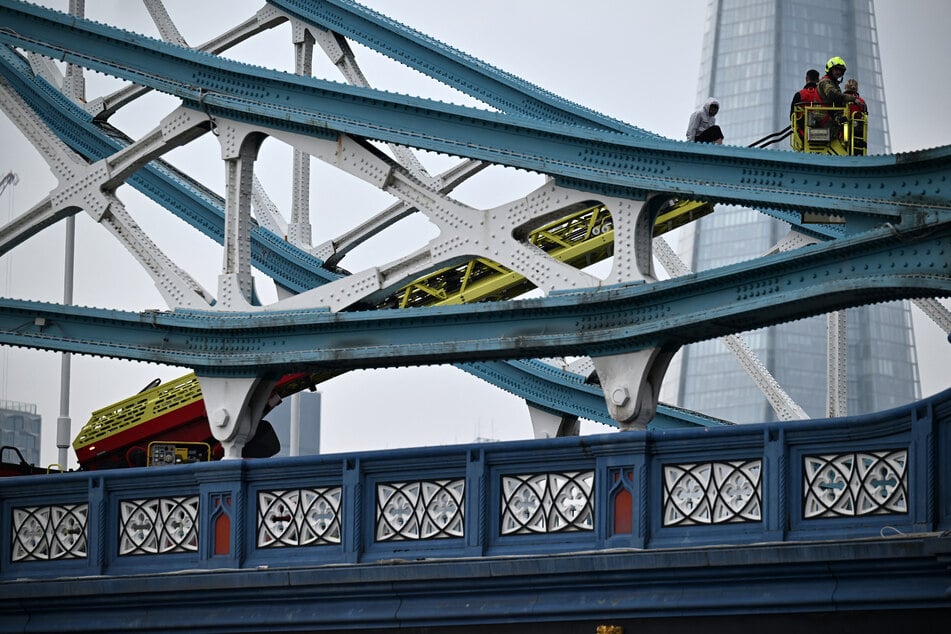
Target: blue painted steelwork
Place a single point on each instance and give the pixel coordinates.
(762, 178)
(845, 515)
(562, 392)
(736, 521)
(873, 266)
(179, 360)
(466, 74)
(607, 162)
(288, 265)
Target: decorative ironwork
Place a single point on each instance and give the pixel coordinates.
(299, 517)
(420, 510)
(713, 493)
(158, 526)
(44, 533)
(854, 484)
(547, 503)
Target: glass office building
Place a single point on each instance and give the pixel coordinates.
(309, 431)
(21, 428)
(755, 57)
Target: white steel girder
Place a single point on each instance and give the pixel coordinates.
(339, 53)
(163, 22)
(90, 187)
(836, 343)
(548, 425)
(465, 232)
(299, 229)
(631, 384)
(235, 407)
(267, 17)
(333, 250)
(239, 149)
(265, 211)
(936, 311)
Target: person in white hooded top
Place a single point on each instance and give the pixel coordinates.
(703, 127)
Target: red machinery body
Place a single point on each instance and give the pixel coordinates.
(170, 414)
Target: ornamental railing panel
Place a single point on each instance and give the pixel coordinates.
(713, 493)
(158, 526)
(855, 484)
(547, 503)
(424, 509)
(44, 533)
(299, 517)
(686, 489)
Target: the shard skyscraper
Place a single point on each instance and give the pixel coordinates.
(755, 56)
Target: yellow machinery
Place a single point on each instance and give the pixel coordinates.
(580, 239)
(163, 424)
(172, 453)
(820, 129)
(118, 435)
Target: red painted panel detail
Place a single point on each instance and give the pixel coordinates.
(222, 534)
(623, 512)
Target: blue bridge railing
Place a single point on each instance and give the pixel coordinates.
(868, 476)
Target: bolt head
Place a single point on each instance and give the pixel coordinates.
(219, 417)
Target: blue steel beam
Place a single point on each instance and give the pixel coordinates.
(880, 187)
(202, 208)
(431, 57)
(567, 393)
(876, 266)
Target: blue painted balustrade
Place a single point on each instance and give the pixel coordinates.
(870, 476)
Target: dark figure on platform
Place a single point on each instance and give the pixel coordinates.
(808, 93)
(702, 127)
(852, 89)
(858, 113)
(828, 86)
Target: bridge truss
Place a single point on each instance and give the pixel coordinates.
(323, 316)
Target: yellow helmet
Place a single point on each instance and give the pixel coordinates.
(833, 62)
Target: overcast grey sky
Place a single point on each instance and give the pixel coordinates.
(636, 61)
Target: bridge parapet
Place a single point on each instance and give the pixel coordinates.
(852, 478)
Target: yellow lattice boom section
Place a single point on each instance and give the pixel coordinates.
(145, 406)
(579, 239)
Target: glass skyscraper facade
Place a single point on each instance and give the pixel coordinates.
(309, 432)
(20, 427)
(755, 57)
